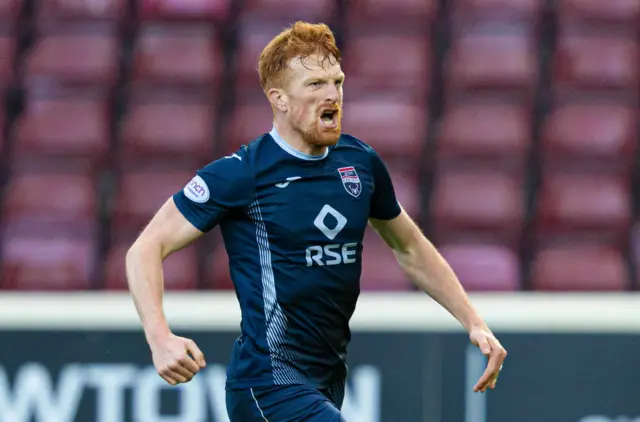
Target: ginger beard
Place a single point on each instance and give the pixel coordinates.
(326, 128)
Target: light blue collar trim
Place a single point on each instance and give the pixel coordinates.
(289, 149)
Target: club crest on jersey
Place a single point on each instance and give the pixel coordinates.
(350, 181)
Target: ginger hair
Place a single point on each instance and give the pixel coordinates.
(302, 39)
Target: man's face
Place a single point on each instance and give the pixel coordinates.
(313, 97)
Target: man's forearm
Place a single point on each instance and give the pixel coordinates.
(429, 271)
(144, 275)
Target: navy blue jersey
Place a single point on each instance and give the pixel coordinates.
(293, 227)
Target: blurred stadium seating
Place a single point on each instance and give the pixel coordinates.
(509, 126)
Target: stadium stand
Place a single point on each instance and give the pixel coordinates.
(43, 128)
(509, 128)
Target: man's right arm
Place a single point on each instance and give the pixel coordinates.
(167, 232)
(217, 188)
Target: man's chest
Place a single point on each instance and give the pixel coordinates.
(328, 206)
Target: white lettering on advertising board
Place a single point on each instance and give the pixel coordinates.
(35, 393)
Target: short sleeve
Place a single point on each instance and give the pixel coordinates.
(384, 205)
(219, 187)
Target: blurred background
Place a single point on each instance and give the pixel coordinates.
(509, 128)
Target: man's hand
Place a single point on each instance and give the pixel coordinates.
(172, 361)
(493, 350)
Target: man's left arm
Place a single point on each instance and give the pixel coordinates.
(427, 269)
(430, 272)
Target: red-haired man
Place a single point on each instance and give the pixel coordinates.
(293, 206)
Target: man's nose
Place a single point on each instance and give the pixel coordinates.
(333, 94)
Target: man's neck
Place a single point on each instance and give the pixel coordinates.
(295, 141)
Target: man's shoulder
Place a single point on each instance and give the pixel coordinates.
(258, 151)
(244, 156)
(349, 142)
(249, 148)
(237, 166)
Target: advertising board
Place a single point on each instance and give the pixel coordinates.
(95, 366)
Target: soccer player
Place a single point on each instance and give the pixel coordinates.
(292, 206)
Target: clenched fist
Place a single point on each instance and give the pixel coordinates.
(177, 359)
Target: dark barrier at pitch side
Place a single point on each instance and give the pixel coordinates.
(106, 376)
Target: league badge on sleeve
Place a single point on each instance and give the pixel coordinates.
(197, 190)
(350, 181)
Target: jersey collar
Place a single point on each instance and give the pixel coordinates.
(290, 150)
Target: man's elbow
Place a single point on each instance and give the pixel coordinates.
(407, 255)
(142, 249)
(413, 250)
(408, 242)
(133, 255)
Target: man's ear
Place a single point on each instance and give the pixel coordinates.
(277, 98)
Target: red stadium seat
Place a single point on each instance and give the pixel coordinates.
(598, 11)
(253, 37)
(49, 230)
(248, 122)
(49, 198)
(36, 262)
(178, 55)
(481, 128)
(168, 124)
(248, 89)
(481, 201)
(598, 134)
(141, 193)
(306, 10)
(81, 10)
(404, 12)
(492, 61)
(497, 10)
(593, 205)
(197, 10)
(7, 51)
(370, 61)
(595, 62)
(63, 126)
(74, 56)
(380, 268)
(579, 267)
(10, 10)
(179, 270)
(483, 267)
(394, 125)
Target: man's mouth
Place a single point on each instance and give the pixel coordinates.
(329, 118)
